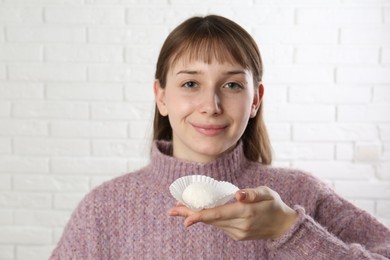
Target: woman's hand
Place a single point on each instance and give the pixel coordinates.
(258, 213)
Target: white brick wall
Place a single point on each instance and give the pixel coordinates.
(76, 99)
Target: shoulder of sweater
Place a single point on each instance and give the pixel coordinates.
(294, 185)
(282, 176)
(282, 172)
(122, 183)
(105, 195)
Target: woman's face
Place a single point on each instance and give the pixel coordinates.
(208, 106)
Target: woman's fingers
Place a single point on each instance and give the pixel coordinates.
(258, 213)
(258, 194)
(180, 210)
(225, 212)
(210, 216)
(238, 220)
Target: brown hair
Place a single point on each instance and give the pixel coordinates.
(207, 38)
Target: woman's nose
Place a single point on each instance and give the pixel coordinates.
(210, 103)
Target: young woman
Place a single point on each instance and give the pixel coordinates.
(208, 121)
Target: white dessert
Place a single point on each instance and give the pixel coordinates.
(199, 194)
(200, 191)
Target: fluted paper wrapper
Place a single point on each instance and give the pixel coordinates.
(222, 191)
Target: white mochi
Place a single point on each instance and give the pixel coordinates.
(200, 194)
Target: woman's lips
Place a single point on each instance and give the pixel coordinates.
(209, 130)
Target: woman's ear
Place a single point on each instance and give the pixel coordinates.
(159, 95)
(258, 97)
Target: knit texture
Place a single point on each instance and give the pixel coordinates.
(126, 218)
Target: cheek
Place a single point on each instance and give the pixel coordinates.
(178, 104)
(239, 107)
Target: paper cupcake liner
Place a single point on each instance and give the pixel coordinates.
(222, 191)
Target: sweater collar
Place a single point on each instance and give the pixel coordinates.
(166, 168)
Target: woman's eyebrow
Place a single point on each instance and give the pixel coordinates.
(192, 72)
(234, 72)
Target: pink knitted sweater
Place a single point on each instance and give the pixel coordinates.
(127, 218)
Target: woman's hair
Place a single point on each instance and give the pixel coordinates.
(207, 38)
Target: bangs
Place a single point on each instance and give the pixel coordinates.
(207, 48)
(208, 39)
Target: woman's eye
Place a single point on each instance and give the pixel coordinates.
(233, 85)
(189, 84)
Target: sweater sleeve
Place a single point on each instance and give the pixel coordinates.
(82, 234)
(339, 230)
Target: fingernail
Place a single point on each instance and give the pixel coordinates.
(242, 195)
